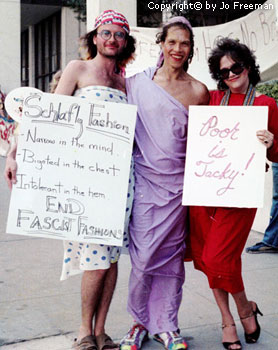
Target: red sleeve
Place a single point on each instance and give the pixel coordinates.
(272, 152)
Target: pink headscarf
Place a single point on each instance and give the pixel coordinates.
(112, 17)
(177, 19)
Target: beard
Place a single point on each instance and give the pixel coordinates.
(104, 51)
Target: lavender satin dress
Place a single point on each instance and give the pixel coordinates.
(158, 226)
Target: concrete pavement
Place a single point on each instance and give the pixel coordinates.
(38, 312)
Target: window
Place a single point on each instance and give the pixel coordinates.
(47, 50)
(24, 58)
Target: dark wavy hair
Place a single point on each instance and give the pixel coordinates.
(125, 56)
(239, 53)
(161, 37)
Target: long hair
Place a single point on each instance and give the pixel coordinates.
(239, 53)
(161, 37)
(54, 82)
(124, 57)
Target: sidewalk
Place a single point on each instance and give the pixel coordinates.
(38, 312)
(199, 319)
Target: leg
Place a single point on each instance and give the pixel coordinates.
(271, 232)
(91, 288)
(229, 330)
(105, 298)
(269, 244)
(245, 309)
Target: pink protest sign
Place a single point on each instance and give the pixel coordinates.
(225, 162)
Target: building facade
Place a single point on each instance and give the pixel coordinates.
(38, 37)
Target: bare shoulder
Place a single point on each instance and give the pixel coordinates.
(70, 77)
(76, 66)
(199, 90)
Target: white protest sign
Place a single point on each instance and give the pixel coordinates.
(225, 162)
(73, 169)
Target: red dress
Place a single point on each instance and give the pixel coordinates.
(218, 234)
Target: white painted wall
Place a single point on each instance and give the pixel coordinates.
(127, 7)
(263, 214)
(71, 31)
(10, 45)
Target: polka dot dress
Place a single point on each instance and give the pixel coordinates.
(87, 256)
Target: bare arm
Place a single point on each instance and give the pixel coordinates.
(11, 167)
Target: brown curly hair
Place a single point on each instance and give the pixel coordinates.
(239, 53)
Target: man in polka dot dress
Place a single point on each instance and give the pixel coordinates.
(109, 47)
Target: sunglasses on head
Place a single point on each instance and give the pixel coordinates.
(237, 69)
(106, 35)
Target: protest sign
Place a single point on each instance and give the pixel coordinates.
(225, 162)
(73, 169)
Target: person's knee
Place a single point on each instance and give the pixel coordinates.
(95, 273)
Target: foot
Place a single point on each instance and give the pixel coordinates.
(247, 318)
(134, 338)
(171, 340)
(230, 339)
(251, 333)
(261, 247)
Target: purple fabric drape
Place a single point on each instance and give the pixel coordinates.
(158, 226)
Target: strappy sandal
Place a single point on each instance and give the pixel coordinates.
(226, 344)
(253, 337)
(104, 342)
(86, 343)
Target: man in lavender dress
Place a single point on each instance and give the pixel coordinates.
(158, 226)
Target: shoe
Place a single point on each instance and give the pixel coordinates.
(86, 343)
(252, 338)
(134, 338)
(171, 340)
(261, 247)
(226, 344)
(104, 342)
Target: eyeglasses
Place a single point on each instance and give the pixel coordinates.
(236, 68)
(106, 35)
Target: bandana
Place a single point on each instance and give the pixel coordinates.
(177, 19)
(112, 17)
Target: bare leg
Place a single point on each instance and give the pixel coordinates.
(229, 332)
(105, 298)
(91, 288)
(245, 308)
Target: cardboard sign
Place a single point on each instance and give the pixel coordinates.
(225, 162)
(74, 160)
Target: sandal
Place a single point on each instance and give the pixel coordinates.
(251, 338)
(134, 338)
(104, 342)
(86, 343)
(171, 340)
(226, 344)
